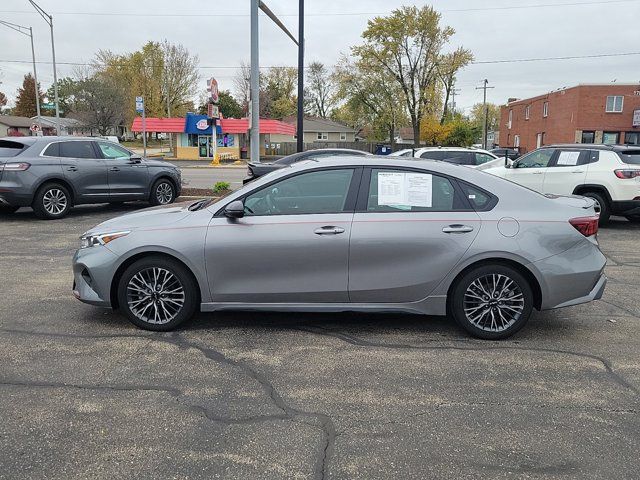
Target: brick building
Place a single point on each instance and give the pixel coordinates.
(590, 113)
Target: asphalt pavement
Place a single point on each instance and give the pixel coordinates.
(206, 177)
(84, 394)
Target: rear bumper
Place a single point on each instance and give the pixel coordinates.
(627, 207)
(595, 294)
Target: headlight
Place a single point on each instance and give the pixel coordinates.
(100, 239)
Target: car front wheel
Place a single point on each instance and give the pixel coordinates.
(492, 301)
(157, 293)
(162, 192)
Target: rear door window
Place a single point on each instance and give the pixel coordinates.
(393, 190)
(630, 156)
(77, 149)
(570, 158)
(10, 149)
(53, 150)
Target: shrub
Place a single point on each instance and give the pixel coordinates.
(220, 187)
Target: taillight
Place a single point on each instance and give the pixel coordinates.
(585, 225)
(627, 173)
(16, 167)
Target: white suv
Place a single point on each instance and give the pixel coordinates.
(472, 157)
(609, 174)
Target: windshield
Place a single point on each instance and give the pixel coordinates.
(630, 156)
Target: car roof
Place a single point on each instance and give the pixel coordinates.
(593, 146)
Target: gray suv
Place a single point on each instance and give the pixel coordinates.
(51, 174)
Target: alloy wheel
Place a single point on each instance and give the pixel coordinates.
(164, 193)
(493, 302)
(155, 295)
(54, 201)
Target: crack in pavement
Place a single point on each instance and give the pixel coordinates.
(322, 421)
(353, 340)
(626, 310)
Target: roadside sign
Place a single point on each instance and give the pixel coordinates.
(212, 88)
(48, 106)
(139, 104)
(636, 118)
(34, 127)
(213, 111)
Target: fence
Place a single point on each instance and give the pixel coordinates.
(287, 148)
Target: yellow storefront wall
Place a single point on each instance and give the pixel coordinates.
(191, 153)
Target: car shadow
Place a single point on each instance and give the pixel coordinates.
(27, 213)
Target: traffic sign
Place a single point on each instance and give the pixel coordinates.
(34, 127)
(139, 104)
(49, 106)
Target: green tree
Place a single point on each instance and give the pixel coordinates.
(408, 44)
(477, 116)
(98, 102)
(67, 88)
(26, 98)
(278, 92)
(319, 91)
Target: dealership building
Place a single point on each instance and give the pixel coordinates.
(193, 135)
(586, 113)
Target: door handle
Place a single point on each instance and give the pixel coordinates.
(328, 230)
(457, 228)
(72, 168)
(577, 171)
(114, 169)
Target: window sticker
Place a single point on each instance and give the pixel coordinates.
(568, 158)
(405, 189)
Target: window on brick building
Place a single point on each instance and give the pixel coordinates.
(614, 104)
(545, 109)
(526, 112)
(510, 118)
(516, 141)
(588, 136)
(610, 138)
(632, 138)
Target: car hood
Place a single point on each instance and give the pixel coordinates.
(147, 218)
(151, 162)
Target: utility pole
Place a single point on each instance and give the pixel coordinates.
(22, 30)
(49, 19)
(486, 112)
(300, 119)
(454, 90)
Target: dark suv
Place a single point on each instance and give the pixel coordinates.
(51, 174)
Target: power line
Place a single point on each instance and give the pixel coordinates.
(334, 14)
(478, 62)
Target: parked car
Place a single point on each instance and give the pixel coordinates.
(510, 153)
(370, 234)
(472, 157)
(255, 169)
(51, 174)
(405, 152)
(609, 174)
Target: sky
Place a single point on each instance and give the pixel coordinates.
(218, 32)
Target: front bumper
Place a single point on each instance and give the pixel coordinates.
(93, 270)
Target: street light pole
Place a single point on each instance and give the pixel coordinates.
(49, 19)
(486, 112)
(21, 29)
(300, 119)
(254, 153)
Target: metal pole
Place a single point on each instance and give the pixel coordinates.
(35, 77)
(55, 78)
(300, 119)
(166, 83)
(144, 130)
(255, 85)
(486, 115)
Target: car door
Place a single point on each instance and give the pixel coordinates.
(84, 170)
(292, 245)
(128, 179)
(567, 170)
(530, 169)
(410, 228)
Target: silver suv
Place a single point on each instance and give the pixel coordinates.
(51, 174)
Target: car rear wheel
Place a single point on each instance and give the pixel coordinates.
(157, 293)
(162, 192)
(601, 206)
(492, 302)
(8, 209)
(52, 201)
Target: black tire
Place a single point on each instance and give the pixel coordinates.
(163, 192)
(8, 209)
(508, 320)
(43, 202)
(605, 208)
(129, 294)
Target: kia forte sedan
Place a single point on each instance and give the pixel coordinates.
(351, 234)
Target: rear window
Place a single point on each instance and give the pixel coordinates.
(630, 156)
(10, 149)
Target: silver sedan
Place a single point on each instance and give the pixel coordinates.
(351, 234)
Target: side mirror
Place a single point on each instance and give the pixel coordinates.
(135, 158)
(234, 210)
